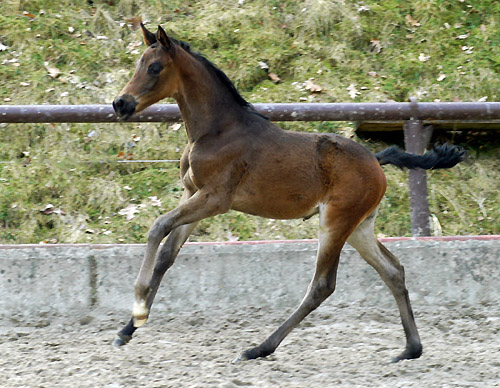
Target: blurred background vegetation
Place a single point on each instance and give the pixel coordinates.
(63, 182)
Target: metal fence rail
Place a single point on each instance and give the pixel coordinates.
(276, 112)
(417, 135)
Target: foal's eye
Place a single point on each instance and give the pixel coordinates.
(155, 68)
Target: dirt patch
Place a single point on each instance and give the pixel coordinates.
(346, 346)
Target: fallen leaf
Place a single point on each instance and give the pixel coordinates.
(129, 212)
(441, 77)
(49, 241)
(312, 87)
(413, 22)
(48, 209)
(263, 65)
(54, 72)
(467, 49)
(231, 237)
(274, 77)
(376, 45)
(423, 58)
(353, 92)
(176, 126)
(29, 15)
(463, 36)
(155, 201)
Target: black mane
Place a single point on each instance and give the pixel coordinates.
(220, 75)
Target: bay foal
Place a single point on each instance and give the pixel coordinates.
(236, 159)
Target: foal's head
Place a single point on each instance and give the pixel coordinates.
(154, 78)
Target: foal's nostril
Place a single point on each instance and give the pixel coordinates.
(124, 105)
(120, 103)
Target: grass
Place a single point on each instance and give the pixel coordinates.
(79, 52)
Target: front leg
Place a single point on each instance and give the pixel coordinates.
(208, 201)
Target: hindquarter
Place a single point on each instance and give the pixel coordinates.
(357, 182)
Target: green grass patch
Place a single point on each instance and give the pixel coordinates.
(81, 52)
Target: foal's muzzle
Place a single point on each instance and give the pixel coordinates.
(124, 106)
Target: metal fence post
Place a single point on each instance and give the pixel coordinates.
(417, 138)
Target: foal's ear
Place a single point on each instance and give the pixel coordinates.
(149, 37)
(162, 37)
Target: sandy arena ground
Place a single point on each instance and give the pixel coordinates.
(348, 347)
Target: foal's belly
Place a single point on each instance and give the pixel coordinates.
(277, 200)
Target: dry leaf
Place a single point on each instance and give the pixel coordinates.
(129, 212)
(312, 87)
(413, 22)
(353, 92)
(467, 49)
(54, 72)
(48, 209)
(423, 58)
(155, 201)
(441, 77)
(274, 77)
(263, 65)
(376, 45)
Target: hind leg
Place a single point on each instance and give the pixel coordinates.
(392, 273)
(333, 233)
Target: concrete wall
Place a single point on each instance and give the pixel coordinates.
(75, 279)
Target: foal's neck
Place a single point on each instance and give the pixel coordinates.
(206, 105)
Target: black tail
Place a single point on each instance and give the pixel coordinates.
(442, 156)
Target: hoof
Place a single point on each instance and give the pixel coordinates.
(140, 314)
(252, 354)
(242, 357)
(409, 354)
(121, 340)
